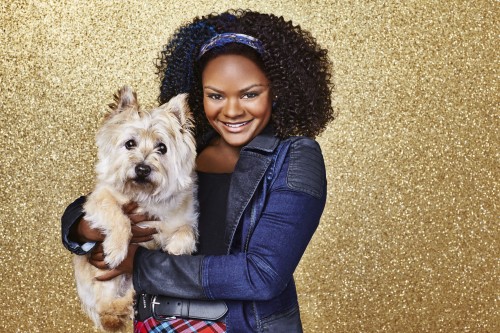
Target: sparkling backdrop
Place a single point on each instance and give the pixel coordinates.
(409, 241)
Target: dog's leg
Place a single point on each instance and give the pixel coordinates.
(177, 230)
(98, 297)
(115, 315)
(85, 285)
(182, 241)
(104, 211)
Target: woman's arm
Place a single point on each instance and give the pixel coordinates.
(260, 274)
(69, 228)
(274, 251)
(79, 238)
(291, 216)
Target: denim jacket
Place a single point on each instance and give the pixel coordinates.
(276, 198)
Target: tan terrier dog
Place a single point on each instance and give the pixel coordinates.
(147, 158)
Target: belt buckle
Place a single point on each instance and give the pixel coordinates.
(159, 317)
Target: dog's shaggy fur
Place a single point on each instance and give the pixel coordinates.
(147, 158)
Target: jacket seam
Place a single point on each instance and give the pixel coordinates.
(204, 276)
(293, 308)
(295, 185)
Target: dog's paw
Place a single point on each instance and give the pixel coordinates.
(178, 248)
(182, 242)
(114, 323)
(114, 258)
(114, 253)
(118, 313)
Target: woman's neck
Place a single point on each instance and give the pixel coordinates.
(218, 157)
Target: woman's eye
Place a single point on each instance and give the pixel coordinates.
(215, 96)
(162, 149)
(250, 95)
(130, 144)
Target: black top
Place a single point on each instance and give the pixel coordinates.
(213, 189)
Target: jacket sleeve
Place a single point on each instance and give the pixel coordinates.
(294, 206)
(158, 273)
(71, 215)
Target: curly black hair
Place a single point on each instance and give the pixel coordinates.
(297, 68)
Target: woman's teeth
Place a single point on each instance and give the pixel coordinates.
(236, 125)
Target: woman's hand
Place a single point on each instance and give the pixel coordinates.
(84, 233)
(139, 234)
(125, 267)
(81, 232)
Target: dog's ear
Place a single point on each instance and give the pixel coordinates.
(123, 99)
(178, 105)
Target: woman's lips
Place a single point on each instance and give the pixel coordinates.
(236, 126)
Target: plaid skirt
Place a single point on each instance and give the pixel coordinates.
(152, 325)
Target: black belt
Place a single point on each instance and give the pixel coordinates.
(165, 308)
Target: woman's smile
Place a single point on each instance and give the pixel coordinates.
(236, 127)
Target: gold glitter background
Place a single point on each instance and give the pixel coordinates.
(409, 241)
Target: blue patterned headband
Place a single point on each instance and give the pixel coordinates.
(226, 38)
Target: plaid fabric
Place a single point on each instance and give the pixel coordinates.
(151, 325)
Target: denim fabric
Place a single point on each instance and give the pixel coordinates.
(285, 322)
(277, 196)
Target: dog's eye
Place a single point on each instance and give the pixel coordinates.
(130, 144)
(162, 149)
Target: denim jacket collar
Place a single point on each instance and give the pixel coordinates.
(253, 162)
(265, 141)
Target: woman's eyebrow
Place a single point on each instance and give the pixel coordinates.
(253, 86)
(212, 88)
(241, 90)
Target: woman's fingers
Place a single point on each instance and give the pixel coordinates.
(129, 207)
(96, 257)
(136, 218)
(98, 264)
(84, 233)
(137, 240)
(141, 234)
(125, 267)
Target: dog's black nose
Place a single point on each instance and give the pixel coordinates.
(142, 170)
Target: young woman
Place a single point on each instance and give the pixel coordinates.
(259, 88)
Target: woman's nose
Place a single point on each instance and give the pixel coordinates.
(233, 109)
